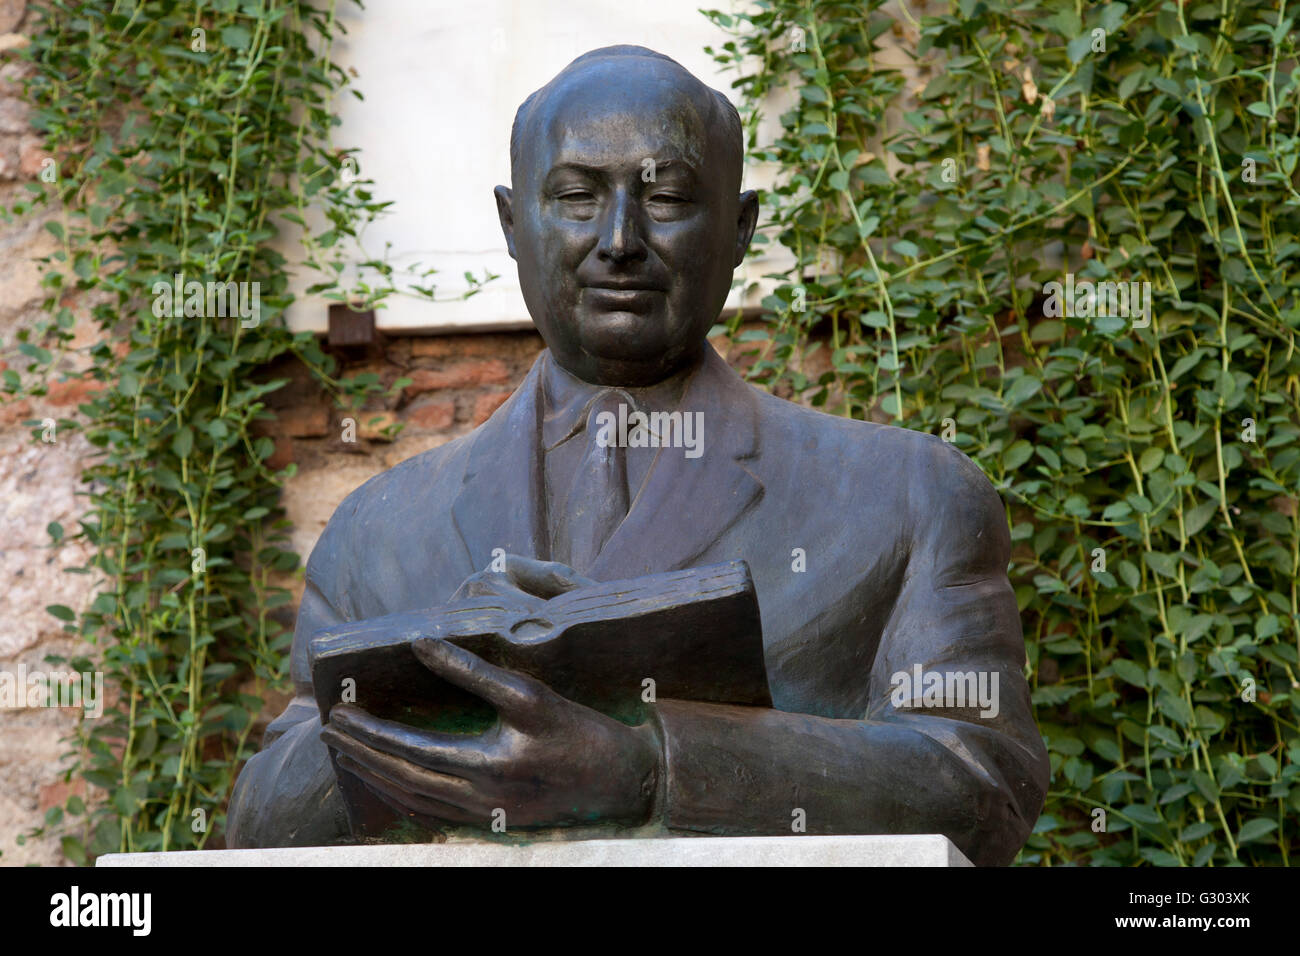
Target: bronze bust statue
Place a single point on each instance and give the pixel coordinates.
(889, 695)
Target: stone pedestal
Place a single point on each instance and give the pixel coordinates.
(907, 850)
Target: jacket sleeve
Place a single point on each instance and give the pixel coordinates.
(914, 763)
(287, 794)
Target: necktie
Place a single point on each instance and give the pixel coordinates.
(598, 500)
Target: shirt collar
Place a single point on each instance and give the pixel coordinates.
(566, 399)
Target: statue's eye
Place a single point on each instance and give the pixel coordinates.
(668, 199)
(575, 195)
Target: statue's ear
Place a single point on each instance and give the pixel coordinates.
(507, 218)
(746, 223)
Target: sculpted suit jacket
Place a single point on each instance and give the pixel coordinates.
(906, 548)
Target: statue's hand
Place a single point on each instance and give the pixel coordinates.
(525, 583)
(549, 761)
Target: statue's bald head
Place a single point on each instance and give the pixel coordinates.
(624, 214)
(620, 68)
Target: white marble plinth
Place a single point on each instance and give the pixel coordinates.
(907, 850)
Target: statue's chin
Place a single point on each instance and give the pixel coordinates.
(622, 346)
(623, 337)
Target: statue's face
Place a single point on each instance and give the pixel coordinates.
(625, 220)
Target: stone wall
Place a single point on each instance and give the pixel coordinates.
(38, 481)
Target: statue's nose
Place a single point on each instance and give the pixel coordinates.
(620, 233)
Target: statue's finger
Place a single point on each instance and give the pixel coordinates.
(407, 803)
(514, 695)
(455, 754)
(403, 773)
(546, 579)
(496, 585)
(419, 789)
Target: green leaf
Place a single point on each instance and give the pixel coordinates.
(1151, 459)
(1199, 517)
(1129, 672)
(123, 802)
(1017, 455)
(1255, 829)
(1022, 389)
(62, 612)
(1166, 736)
(1196, 831)
(1079, 47)
(43, 356)
(236, 37)
(1129, 84)
(183, 443)
(1142, 814)
(1116, 510)
(1165, 565)
(1047, 331)
(1266, 626)
(73, 849)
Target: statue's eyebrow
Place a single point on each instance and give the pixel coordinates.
(586, 168)
(591, 169)
(676, 163)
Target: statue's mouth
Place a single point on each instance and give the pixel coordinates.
(623, 299)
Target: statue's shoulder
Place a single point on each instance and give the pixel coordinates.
(884, 453)
(423, 482)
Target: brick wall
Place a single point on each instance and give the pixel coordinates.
(457, 382)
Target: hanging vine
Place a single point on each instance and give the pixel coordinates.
(1148, 455)
(186, 136)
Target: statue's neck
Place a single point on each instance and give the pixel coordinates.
(651, 393)
(663, 395)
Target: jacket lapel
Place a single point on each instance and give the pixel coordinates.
(683, 508)
(501, 504)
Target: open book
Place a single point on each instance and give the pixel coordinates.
(615, 646)
(695, 634)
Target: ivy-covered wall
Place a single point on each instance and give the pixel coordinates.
(177, 137)
(1070, 249)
